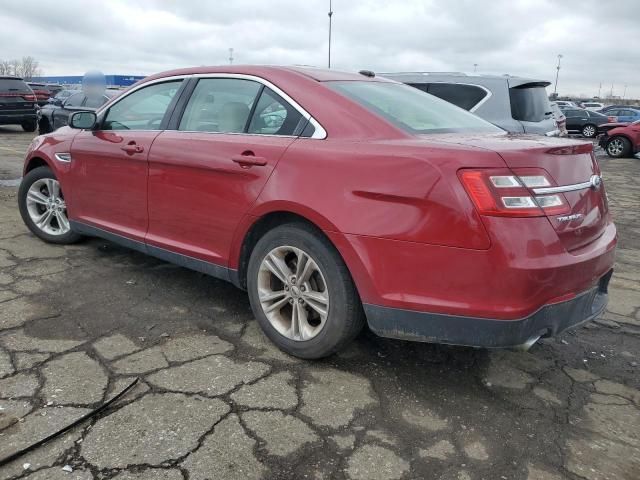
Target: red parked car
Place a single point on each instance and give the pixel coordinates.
(334, 199)
(621, 141)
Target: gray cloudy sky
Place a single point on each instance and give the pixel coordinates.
(600, 41)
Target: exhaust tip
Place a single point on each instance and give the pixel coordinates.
(523, 347)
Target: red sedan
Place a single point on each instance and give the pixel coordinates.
(336, 199)
(621, 140)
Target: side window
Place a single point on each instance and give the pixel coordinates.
(274, 116)
(95, 101)
(144, 109)
(220, 105)
(75, 100)
(463, 96)
(420, 86)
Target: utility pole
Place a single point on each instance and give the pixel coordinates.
(475, 67)
(330, 15)
(599, 89)
(611, 94)
(555, 88)
(231, 56)
(625, 92)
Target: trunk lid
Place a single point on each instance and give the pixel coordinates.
(568, 163)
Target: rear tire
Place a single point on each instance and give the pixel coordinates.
(29, 126)
(44, 127)
(43, 209)
(618, 147)
(329, 313)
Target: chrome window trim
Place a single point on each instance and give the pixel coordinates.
(319, 134)
(563, 188)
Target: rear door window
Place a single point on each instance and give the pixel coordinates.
(529, 103)
(463, 96)
(220, 105)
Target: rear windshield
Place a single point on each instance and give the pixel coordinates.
(411, 109)
(529, 103)
(13, 85)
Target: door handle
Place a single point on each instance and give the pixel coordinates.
(132, 147)
(248, 160)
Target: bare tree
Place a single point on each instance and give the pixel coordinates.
(29, 68)
(26, 68)
(15, 68)
(5, 67)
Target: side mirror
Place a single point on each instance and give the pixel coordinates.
(83, 120)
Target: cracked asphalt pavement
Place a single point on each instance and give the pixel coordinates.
(217, 401)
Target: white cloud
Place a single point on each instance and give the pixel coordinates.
(502, 36)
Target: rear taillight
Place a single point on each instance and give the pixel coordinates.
(29, 98)
(612, 119)
(507, 193)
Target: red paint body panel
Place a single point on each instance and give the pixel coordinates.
(198, 195)
(511, 280)
(109, 185)
(391, 202)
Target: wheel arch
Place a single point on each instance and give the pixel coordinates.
(255, 226)
(623, 135)
(35, 162)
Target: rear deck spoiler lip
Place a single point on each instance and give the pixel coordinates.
(571, 149)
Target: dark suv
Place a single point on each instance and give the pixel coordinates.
(18, 104)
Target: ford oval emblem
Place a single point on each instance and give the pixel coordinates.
(596, 182)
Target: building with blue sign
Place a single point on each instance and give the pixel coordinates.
(112, 80)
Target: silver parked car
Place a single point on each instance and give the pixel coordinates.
(516, 104)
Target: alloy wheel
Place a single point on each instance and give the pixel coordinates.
(615, 147)
(293, 293)
(588, 131)
(47, 208)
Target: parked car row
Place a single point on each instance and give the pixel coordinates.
(41, 106)
(56, 114)
(44, 91)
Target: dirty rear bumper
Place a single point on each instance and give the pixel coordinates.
(482, 332)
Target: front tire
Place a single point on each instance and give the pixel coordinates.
(43, 208)
(618, 147)
(301, 292)
(29, 126)
(44, 126)
(589, 131)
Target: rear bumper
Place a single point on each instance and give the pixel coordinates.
(490, 333)
(17, 118)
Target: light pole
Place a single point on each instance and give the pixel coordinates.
(625, 92)
(231, 56)
(475, 67)
(330, 15)
(555, 87)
